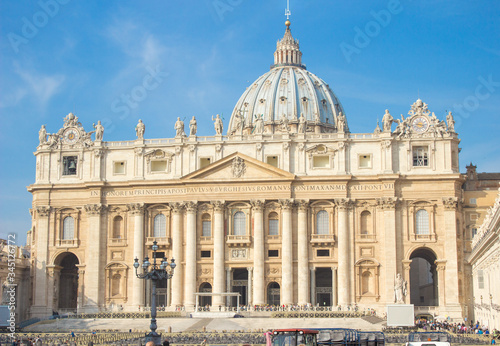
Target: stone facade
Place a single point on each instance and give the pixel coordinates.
(289, 207)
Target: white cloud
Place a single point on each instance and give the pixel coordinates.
(43, 87)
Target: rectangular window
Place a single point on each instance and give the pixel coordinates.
(119, 167)
(159, 254)
(480, 279)
(206, 229)
(472, 201)
(473, 217)
(365, 161)
(323, 253)
(158, 166)
(273, 227)
(272, 160)
(273, 253)
(204, 162)
(420, 156)
(321, 161)
(69, 165)
(206, 254)
(474, 232)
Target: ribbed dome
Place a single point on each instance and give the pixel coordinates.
(287, 91)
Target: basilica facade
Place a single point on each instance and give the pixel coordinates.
(287, 207)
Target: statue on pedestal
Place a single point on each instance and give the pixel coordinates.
(400, 289)
(451, 122)
(140, 129)
(259, 125)
(42, 135)
(387, 121)
(302, 124)
(217, 124)
(99, 130)
(179, 128)
(193, 127)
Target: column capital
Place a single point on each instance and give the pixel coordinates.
(302, 204)
(387, 202)
(176, 207)
(43, 211)
(450, 203)
(344, 203)
(335, 268)
(257, 204)
(406, 264)
(135, 208)
(191, 206)
(250, 269)
(440, 265)
(218, 205)
(286, 204)
(94, 209)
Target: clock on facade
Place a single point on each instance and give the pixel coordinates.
(71, 135)
(420, 124)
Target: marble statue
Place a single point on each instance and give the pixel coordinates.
(259, 125)
(99, 130)
(302, 124)
(218, 124)
(284, 123)
(239, 123)
(193, 127)
(140, 129)
(42, 135)
(387, 121)
(341, 124)
(400, 289)
(179, 128)
(451, 122)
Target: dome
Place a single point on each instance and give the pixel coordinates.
(287, 94)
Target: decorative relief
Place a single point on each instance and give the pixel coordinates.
(301, 146)
(192, 148)
(178, 150)
(387, 202)
(43, 211)
(135, 208)
(218, 148)
(94, 209)
(450, 203)
(238, 167)
(239, 254)
(342, 145)
(218, 205)
(273, 271)
(257, 204)
(204, 272)
(138, 151)
(302, 204)
(386, 144)
(258, 147)
(98, 153)
(286, 146)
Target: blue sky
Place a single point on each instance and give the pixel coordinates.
(88, 57)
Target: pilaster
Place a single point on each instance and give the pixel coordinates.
(286, 252)
(344, 279)
(190, 282)
(258, 253)
(136, 210)
(177, 248)
(302, 253)
(219, 246)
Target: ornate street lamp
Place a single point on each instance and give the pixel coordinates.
(154, 272)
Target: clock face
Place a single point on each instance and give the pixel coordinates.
(420, 124)
(71, 136)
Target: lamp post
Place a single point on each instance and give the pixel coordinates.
(154, 272)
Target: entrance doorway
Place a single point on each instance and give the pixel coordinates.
(273, 293)
(205, 300)
(324, 286)
(423, 278)
(240, 285)
(67, 288)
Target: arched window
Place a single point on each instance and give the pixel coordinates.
(206, 225)
(239, 223)
(422, 222)
(322, 222)
(117, 227)
(273, 224)
(115, 285)
(68, 228)
(365, 282)
(366, 223)
(160, 226)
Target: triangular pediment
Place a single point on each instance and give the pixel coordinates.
(238, 166)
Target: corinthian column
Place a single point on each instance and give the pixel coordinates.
(258, 253)
(344, 279)
(177, 248)
(95, 267)
(302, 254)
(137, 212)
(286, 250)
(218, 252)
(190, 282)
(451, 254)
(391, 263)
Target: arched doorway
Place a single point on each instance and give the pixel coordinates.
(423, 278)
(67, 288)
(205, 300)
(273, 293)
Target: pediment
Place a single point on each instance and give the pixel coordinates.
(238, 166)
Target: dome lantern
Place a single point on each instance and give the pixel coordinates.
(287, 50)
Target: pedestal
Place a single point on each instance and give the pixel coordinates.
(400, 315)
